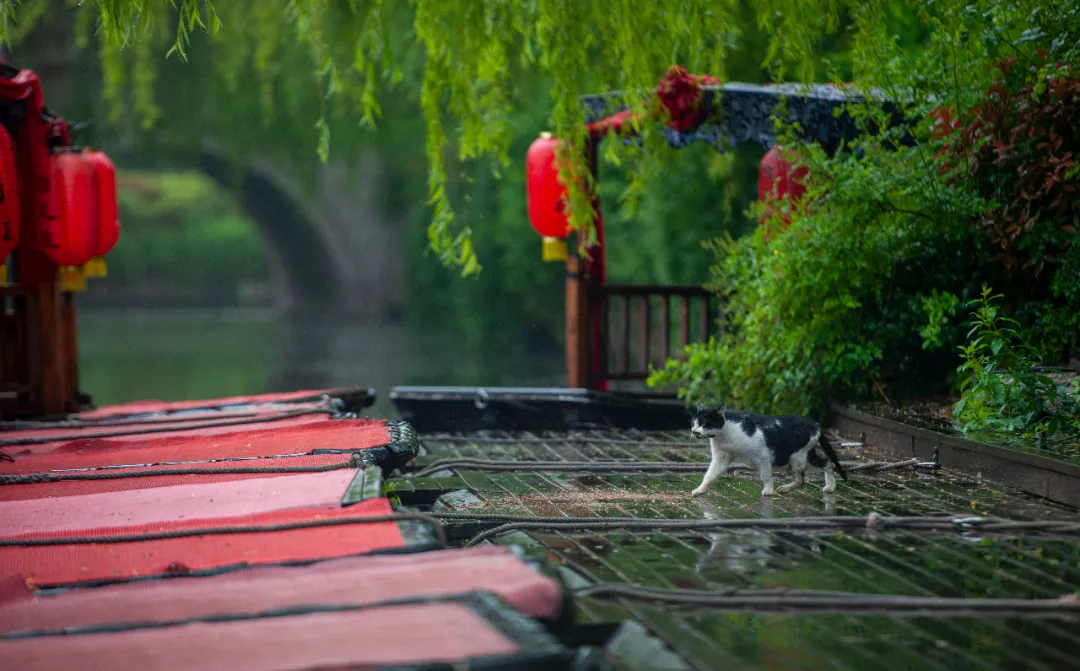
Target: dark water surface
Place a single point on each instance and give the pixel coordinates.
(128, 355)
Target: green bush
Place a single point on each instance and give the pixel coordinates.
(858, 296)
(1003, 393)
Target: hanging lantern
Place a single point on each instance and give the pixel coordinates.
(546, 197)
(70, 237)
(108, 212)
(9, 202)
(779, 179)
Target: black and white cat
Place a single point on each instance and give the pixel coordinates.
(762, 442)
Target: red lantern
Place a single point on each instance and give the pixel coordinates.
(779, 180)
(108, 212)
(9, 202)
(70, 237)
(546, 197)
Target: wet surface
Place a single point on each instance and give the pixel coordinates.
(936, 416)
(943, 564)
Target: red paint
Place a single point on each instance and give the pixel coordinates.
(545, 192)
(70, 237)
(108, 210)
(32, 161)
(10, 214)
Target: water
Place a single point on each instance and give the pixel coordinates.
(128, 355)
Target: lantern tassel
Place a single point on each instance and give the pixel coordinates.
(553, 249)
(72, 279)
(96, 267)
(3, 275)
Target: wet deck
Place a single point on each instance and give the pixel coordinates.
(949, 563)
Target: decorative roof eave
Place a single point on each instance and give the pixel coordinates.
(746, 114)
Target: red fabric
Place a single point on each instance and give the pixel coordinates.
(32, 152)
(352, 581)
(191, 503)
(338, 434)
(62, 564)
(13, 589)
(294, 435)
(145, 407)
(84, 487)
(393, 635)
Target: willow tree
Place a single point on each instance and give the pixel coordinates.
(469, 57)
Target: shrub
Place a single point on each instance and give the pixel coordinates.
(859, 295)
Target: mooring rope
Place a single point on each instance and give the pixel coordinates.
(322, 409)
(355, 461)
(435, 526)
(954, 523)
(494, 465)
(784, 601)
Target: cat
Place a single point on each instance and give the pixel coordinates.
(763, 441)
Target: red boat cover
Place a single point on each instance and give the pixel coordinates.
(78, 562)
(390, 635)
(169, 504)
(147, 407)
(294, 435)
(351, 581)
(21, 492)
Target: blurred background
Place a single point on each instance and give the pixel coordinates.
(247, 265)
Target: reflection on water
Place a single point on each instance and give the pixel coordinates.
(128, 355)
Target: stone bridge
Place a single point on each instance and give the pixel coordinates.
(331, 251)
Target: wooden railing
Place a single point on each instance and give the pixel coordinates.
(648, 324)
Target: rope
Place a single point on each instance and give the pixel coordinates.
(217, 531)
(784, 601)
(954, 523)
(625, 466)
(321, 409)
(39, 478)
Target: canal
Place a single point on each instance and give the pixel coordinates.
(127, 355)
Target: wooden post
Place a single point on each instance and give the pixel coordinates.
(70, 351)
(51, 381)
(577, 322)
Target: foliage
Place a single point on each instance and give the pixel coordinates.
(182, 234)
(1002, 393)
(857, 295)
(467, 58)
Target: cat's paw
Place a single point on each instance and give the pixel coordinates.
(700, 491)
(829, 489)
(768, 491)
(787, 488)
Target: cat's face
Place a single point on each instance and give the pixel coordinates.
(706, 422)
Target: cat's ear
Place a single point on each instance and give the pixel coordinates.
(721, 409)
(701, 407)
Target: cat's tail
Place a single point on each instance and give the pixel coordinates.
(826, 447)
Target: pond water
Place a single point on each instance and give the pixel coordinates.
(128, 355)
